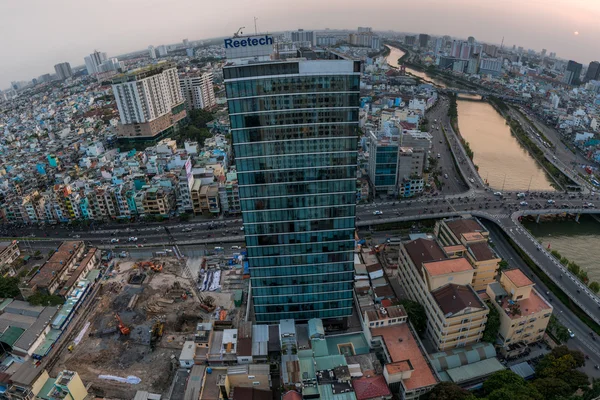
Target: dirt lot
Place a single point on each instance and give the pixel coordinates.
(163, 295)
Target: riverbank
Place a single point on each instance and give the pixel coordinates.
(560, 180)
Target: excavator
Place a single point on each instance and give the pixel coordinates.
(124, 329)
(156, 333)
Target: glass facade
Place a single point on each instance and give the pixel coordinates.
(295, 139)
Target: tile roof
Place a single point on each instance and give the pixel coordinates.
(55, 264)
(423, 250)
(453, 298)
(447, 266)
(370, 388)
(407, 350)
(517, 277)
(461, 226)
(481, 251)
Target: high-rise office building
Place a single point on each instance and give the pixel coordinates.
(63, 70)
(303, 36)
(198, 91)
(593, 72)
(572, 73)
(150, 102)
(410, 40)
(151, 52)
(294, 127)
(423, 40)
(544, 53)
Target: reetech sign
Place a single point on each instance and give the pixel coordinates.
(248, 42)
(249, 46)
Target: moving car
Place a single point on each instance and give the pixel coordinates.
(524, 203)
(571, 334)
(497, 193)
(186, 230)
(113, 240)
(377, 212)
(132, 239)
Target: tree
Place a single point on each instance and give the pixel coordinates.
(516, 392)
(595, 287)
(503, 264)
(501, 379)
(39, 299)
(552, 388)
(37, 254)
(449, 391)
(492, 325)
(9, 287)
(416, 315)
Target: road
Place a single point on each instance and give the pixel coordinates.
(582, 340)
(438, 117)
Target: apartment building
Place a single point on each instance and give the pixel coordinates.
(468, 237)
(158, 201)
(197, 89)
(524, 314)
(150, 102)
(9, 252)
(456, 316)
(205, 198)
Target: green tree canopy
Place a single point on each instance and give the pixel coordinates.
(595, 287)
(9, 287)
(552, 388)
(449, 391)
(502, 379)
(492, 325)
(416, 315)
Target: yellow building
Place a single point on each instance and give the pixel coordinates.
(467, 237)
(460, 231)
(524, 314)
(456, 316)
(485, 261)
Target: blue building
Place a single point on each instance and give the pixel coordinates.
(295, 134)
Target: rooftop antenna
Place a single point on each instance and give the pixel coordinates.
(239, 32)
(255, 30)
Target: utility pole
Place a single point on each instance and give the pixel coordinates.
(255, 30)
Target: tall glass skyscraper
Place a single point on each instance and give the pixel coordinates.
(294, 126)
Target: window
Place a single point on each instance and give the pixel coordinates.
(250, 376)
(255, 383)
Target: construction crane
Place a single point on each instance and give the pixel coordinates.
(239, 32)
(124, 329)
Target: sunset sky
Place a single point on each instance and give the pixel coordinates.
(36, 34)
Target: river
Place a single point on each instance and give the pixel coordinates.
(501, 159)
(576, 241)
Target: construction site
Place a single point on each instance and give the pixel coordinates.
(141, 317)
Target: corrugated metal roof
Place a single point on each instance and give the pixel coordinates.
(35, 330)
(326, 393)
(524, 370)
(330, 362)
(472, 371)
(194, 383)
(11, 335)
(458, 357)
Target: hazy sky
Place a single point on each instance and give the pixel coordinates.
(36, 34)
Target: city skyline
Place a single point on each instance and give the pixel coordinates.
(72, 34)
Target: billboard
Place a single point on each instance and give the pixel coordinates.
(188, 172)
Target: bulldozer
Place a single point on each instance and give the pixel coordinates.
(124, 329)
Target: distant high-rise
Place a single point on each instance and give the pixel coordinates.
(93, 61)
(423, 40)
(439, 45)
(63, 70)
(455, 50)
(410, 40)
(543, 53)
(162, 50)
(303, 36)
(294, 128)
(572, 73)
(471, 40)
(197, 88)
(186, 43)
(151, 52)
(593, 72)
(150, 102)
